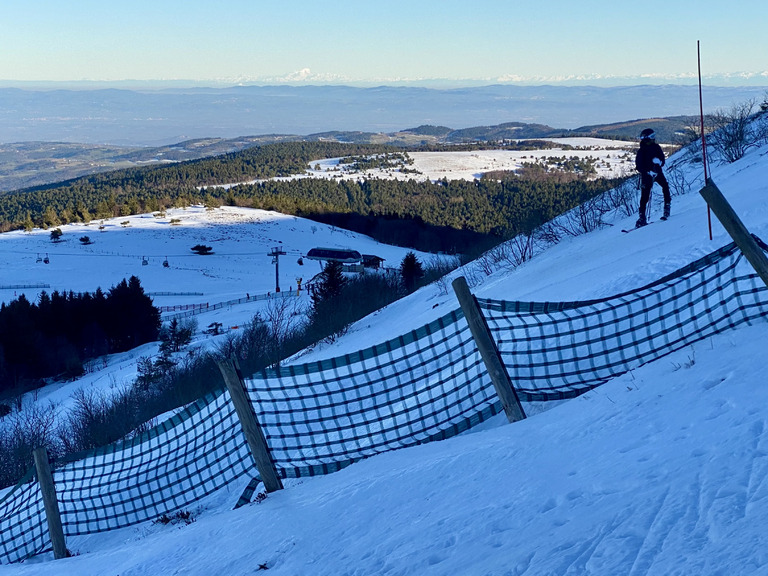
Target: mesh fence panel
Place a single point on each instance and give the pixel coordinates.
(562, 349)
(23, 526)
(189, 456)
(425, 385)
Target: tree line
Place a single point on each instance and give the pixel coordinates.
(58, 334)
(147, 189)
(434, 216)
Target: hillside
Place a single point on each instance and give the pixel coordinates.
(658, 471)
(33, 164)
(28, 164)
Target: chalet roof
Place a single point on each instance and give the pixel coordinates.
(344, 255)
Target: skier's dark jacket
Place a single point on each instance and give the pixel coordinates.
(644, 159)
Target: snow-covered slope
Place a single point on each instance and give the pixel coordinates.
(660, 471)
(239, 269)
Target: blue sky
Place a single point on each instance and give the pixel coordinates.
(383, 42)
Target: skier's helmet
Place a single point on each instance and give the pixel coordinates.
(647, 134)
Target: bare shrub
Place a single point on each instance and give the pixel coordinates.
(733, 132)
(98, 419)
(585, 217)
(548, 233)
(471, 275)
(485, 263)
(690, 134)
(442, 284)
(437, 271)
(520, 249)
(280, 317)
(623, 198)
(227, 347)
(761, 124)
(22, 432)
(679, 182)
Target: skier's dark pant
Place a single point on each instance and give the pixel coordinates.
(646, 183)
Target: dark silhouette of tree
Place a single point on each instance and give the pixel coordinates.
(326, 298)
(411, 271)
(54, 337)
(202, 249)
(175, 336)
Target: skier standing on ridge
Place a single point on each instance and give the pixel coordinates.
(649, 162)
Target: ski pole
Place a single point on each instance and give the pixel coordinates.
(650, 196)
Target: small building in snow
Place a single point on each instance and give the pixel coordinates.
(372, 261)
(343, 255)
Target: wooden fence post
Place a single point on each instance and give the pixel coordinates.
(488, 351)
(250, 424)
(736, 229)
(45, 479)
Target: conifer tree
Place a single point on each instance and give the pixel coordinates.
(325, 300)
(411, 271)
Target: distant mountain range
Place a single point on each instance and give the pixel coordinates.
(165, 116)
(49, 136)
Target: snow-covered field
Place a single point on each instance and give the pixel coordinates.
(614, 158)
(661, 471)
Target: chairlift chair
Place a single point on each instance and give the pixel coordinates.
(46, 260)
(39, 258)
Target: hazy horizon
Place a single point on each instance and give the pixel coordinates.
(402, 42)
(149, 117)
(737, 80)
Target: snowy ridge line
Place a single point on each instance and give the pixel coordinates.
(425, 385)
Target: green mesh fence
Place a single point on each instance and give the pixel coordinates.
(23, 526)
(555, 350)
(189, 456)
(425, 385)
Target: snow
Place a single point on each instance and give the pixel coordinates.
(239, 268)
(661, 471)
(613, 157)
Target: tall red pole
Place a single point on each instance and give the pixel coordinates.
(703, 139)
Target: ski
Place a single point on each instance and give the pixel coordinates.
(628, 230)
